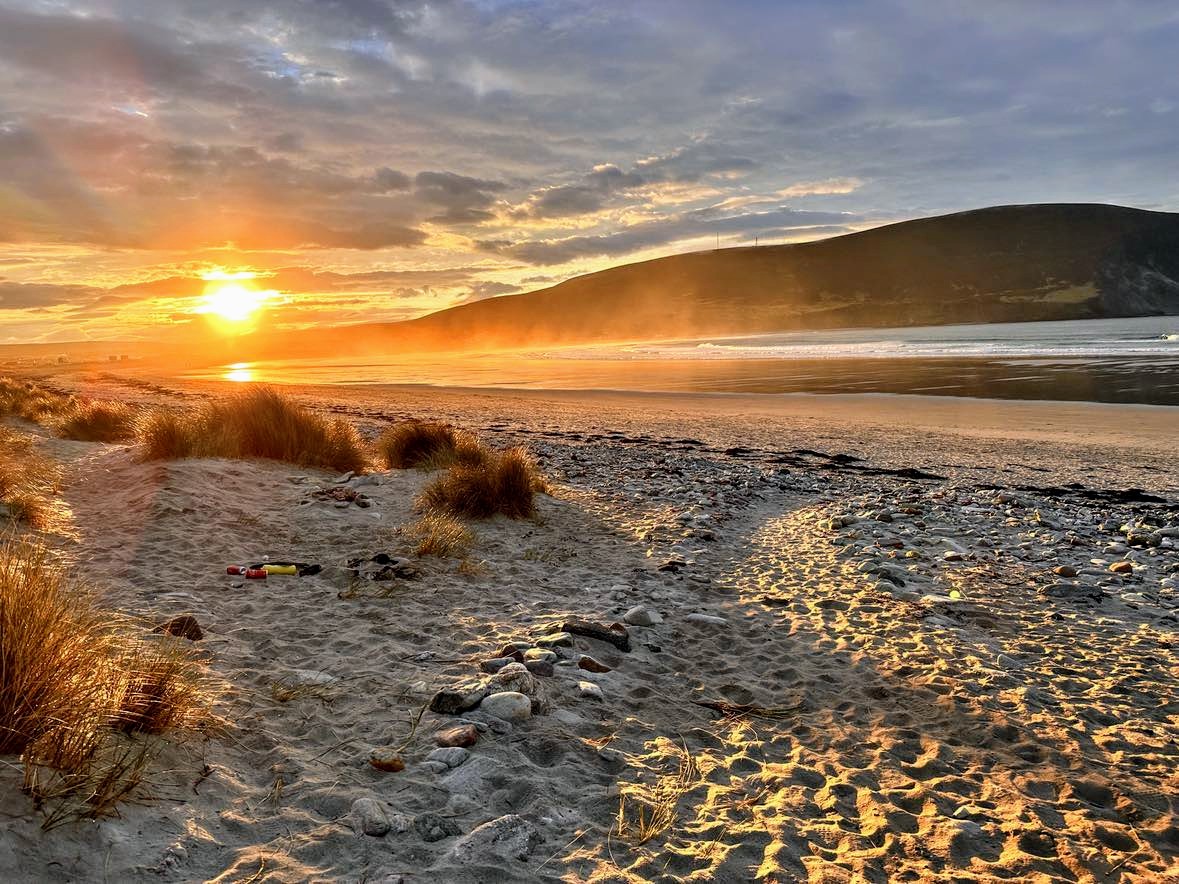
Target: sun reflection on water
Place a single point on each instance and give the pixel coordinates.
(238, 371)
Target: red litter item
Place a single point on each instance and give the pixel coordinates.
(255, 573)
(236, 569)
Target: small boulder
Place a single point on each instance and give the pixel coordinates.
(589, 689)
(369, 817)
(641, 615)
(511, 706)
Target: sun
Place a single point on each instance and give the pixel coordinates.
(232, 297)
(233, 301)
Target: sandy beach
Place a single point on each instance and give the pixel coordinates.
(878, 638)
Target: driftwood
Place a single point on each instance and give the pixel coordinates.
(615, 633)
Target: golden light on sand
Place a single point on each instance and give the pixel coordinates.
(239, 372)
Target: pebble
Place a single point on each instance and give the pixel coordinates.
(951, 555)
(387, 760)
(589, 664)
(589, 689)
(511, 706)
(370, 818)
(1122, 568)
(451, 756)
(540, 654)
(641, 615)
(1065, 571)
(707, 619)
(458, 735)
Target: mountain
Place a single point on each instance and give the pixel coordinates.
(1000, 264)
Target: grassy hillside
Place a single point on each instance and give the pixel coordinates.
(1002, 264)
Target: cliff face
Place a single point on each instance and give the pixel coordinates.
(1002, 264)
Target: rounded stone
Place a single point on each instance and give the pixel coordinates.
(511, 706)
(459, 735)
(387, 760)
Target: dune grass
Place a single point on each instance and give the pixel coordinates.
(96, 420)
(82, 688)
(503, 483)
(427, 445)
(28, 480)
(439, 534)
(256, 423)
(32, 403)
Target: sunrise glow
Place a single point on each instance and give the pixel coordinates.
(232, 297)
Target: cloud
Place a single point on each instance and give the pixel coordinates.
(463, 198)
(648, 234)
(407, 133)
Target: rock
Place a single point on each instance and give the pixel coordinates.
(492, 666)
(344, 478)
(1122, 568)
(431, 827)
(509, 837)
(513, 677)
(540, 654)
(542, 668)
(459, 735)
(437, 767)
(369, 817)
(183, 626)
(589, 689)
(555, 640)
(458, 698)
(589, 664)
(615, 634)
(672, 566)
(451, 756)
(511, 706)
(515, 650)
(706, 619)
(882, 516)
(640, 615)
(386, 759)
(1064, 571)
(951, 555)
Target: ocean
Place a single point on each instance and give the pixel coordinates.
(1103, 360)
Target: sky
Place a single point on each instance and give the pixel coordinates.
(374, 160)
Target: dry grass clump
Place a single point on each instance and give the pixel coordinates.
(503, 484)
(257, 423)
(96, 420)
(438, 534)
(428, 445)
(80, 688)
(28, 480)
(25, 400)
(646, 812)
